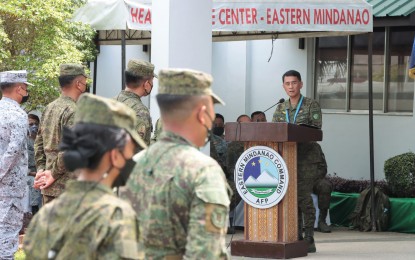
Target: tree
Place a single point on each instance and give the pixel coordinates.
(37, 35)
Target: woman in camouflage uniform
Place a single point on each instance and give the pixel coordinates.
(88, 221)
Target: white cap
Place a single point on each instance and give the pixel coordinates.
(14, 76)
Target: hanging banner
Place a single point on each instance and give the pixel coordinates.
(289, 17)
(279, 16)
(272, 16)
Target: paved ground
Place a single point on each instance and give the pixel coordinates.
(349, 244)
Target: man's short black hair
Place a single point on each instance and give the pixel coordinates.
(132, 80)
(6, 85)
(219, 116)
(34, 117)
(66, 80)
(257, 113)
(291, 73)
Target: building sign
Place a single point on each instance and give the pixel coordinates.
(261, 177)
(281, 16)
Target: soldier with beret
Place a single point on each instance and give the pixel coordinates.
(311, 163)
(180, 194)
(13, 158)
(139, 77)
(52, 175)
(87, 221)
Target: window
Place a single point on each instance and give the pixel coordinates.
(342, 72)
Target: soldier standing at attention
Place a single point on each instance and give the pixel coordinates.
(87, 221)
(180, 194)
(51, 175)
(13, 158)
(139, 77)
(311, 163)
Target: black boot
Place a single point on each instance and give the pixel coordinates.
(309, 238)
(322, 226)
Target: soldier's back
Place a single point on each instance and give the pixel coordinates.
(171, 187)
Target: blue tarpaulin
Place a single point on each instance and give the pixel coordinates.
(412, 63)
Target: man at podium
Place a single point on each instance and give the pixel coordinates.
(311, 164)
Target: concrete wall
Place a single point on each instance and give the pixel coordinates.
(109, 68)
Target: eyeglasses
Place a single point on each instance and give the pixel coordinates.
(293, 83)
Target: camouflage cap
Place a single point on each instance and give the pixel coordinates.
(14, 76)
(103, 111)
(140, 68)
(186, 82)
(72, 69)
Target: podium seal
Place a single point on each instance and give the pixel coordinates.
(261, 177)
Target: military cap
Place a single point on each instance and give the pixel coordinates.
(140, 68)
(103, 111)
(72, 69)
(186, 82)
(14, 76)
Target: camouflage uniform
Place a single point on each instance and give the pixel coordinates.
(172, 199)
(87, 221)
(180, 195)
(57, 115)
(140, 69)
(157, 131)
(219, 145)
(312, 167)
(234, 151)
(144, 125)
(85, 210)
(13, 166)
(35, 197)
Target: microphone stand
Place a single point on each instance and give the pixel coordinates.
(279, 102)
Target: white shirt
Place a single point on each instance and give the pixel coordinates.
(13, 148)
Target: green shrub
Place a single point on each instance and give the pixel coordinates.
(400, 175)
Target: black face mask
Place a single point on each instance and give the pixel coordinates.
(25, 99)
(209, 131)
(148, 92)
(218, 130)
(125, 172)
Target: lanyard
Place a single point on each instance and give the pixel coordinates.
(287, 114)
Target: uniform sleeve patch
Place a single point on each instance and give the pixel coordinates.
(216, 218)
(316, 116)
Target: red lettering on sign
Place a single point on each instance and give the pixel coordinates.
(345, 17)
(221, 11)
(140, 15)
(238, 16)
(148, 17)
(134, 12)
(366, 16)
(358, 19)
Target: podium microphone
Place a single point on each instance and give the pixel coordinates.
(279, 102)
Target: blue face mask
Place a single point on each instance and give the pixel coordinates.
(33, 129)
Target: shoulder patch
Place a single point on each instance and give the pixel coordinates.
(216, 216)
(316, 116)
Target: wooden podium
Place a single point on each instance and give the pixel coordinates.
(273, 232)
